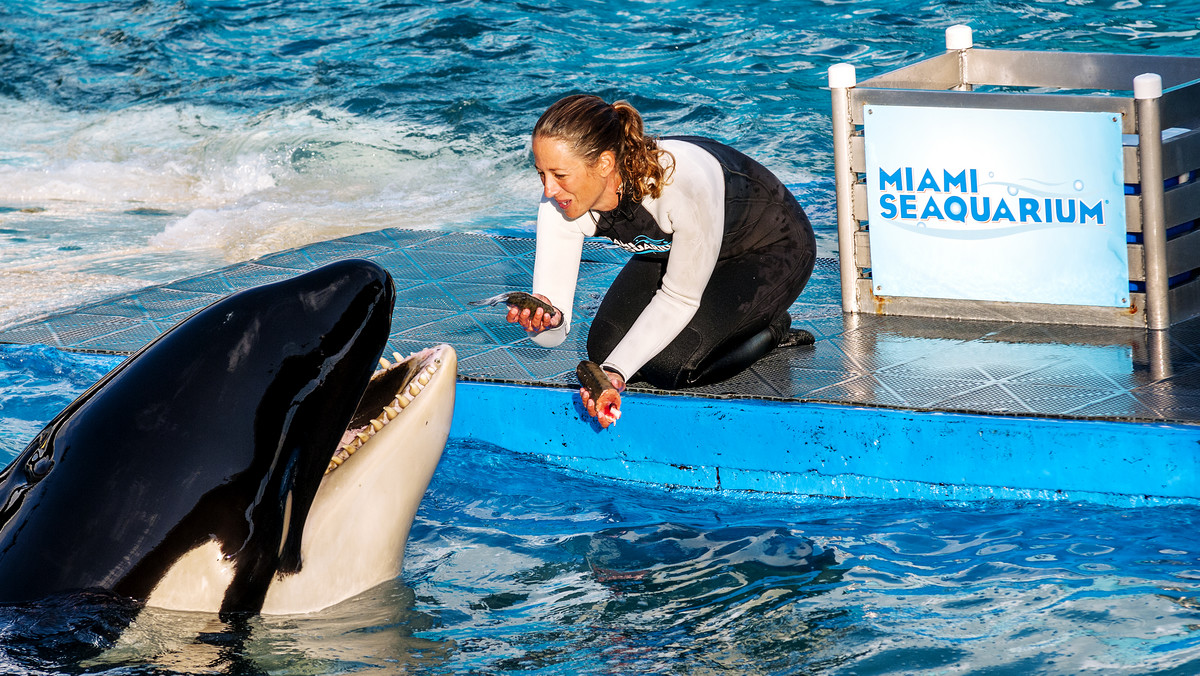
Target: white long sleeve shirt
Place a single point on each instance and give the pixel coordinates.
(691, 210)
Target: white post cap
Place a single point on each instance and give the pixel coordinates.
(959, 36)
(1147, 86)
(842, 76)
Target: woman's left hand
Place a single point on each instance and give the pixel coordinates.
(608, 409)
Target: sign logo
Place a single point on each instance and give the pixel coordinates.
(999, 205)
(957, 197)
(642, 244)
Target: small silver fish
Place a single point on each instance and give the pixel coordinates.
(520, 300)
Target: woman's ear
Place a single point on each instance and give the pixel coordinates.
(606, 163)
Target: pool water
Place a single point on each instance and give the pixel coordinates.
(515, 565)
(147, 140)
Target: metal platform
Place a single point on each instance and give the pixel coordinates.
(908, 363)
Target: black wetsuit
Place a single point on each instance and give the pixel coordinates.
(766, 254)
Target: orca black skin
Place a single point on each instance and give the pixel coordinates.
(219, 430)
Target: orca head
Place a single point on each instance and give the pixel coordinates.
(360, 518)
(212, 441)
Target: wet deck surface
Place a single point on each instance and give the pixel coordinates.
(914, 363)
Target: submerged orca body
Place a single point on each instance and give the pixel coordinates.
(227, 466)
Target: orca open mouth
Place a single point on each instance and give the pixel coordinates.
(392, 389)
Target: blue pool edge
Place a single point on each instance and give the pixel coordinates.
(839, 451)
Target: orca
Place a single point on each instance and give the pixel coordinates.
(258, 457)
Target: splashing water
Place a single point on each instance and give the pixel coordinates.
(146, 141)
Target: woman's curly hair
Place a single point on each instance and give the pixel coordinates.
(590, 126)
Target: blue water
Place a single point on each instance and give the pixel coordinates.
(146, 140)
(514, 565)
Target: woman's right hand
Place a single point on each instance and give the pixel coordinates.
(534, 321)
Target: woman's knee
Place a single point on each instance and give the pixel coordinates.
(672, 367)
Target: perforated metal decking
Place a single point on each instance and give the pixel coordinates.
(903, 362)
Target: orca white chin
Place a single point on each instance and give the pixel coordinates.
(359, 520)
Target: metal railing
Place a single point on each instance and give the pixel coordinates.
(1150, 94)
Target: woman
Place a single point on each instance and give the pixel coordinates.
(722, 248)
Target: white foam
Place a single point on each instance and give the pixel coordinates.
(187, 158)
(231, 185)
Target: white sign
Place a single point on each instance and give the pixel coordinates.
(998, 205)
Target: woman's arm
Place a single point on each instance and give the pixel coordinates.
(692, 208)
(556, 267)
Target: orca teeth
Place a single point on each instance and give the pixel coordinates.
(352, 440)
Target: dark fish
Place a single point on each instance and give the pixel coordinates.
(520, 300)
(595, 380)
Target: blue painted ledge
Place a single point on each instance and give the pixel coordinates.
(841, 451)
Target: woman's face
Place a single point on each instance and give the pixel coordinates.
(568, 180)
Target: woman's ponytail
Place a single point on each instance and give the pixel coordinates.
(639, 157)
(590, 126)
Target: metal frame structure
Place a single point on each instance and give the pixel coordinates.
(1150, 93)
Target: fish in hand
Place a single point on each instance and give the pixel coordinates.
(594, 380)
(519, 299)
